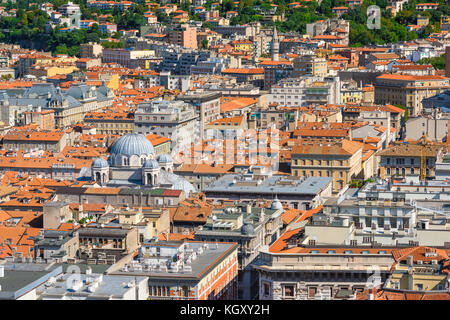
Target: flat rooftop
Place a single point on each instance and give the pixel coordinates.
(211, 255)
(236, 183)
(101, 286)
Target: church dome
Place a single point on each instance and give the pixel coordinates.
(276, 205)
(165, 158)
(247, 228)
(99, 163)
(151, 164)
(132, 144)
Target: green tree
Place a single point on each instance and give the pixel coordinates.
(62, 49)
(207, 25)
(228, 5)
(437, 62)
(185, 6)
(406, 115)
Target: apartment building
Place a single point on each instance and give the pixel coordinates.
(180, 60)
(396, 211)
(259, 183)
(405, 159)
(157, 197)
(375, 114)
(305, 91)
(187, 270)
(252, 228)
(26, 61)
(407, 90)
(162, 145)
(184, 36)
(90, 50)
(274, 114)
(330, 31)
(48, 167)
(107, 5)
(22, 140)
(372, 209)
(243, 45)
(414, 69)
(426, 6)
(226, 126)
(45, 120)
(166, 79)
(111, 122)
(418, 273)
(341, 161)
(69, 107)
(126, 58)
(149, 222)
(310, 65)
(274, 71)
(211, 36)
(316, 261)
(434, 127)
(87, 63)
(175, 120)
(245, 30)
(69, 9)
(206, 104)
(254, 76)
(203, 174)
(56, 244)
(112, 242)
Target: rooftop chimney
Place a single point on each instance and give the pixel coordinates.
(409, 260)
(410, 279)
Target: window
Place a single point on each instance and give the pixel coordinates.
(312, 291)
(266, 288)
(288, 291)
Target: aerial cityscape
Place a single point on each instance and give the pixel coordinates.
(253, 150)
